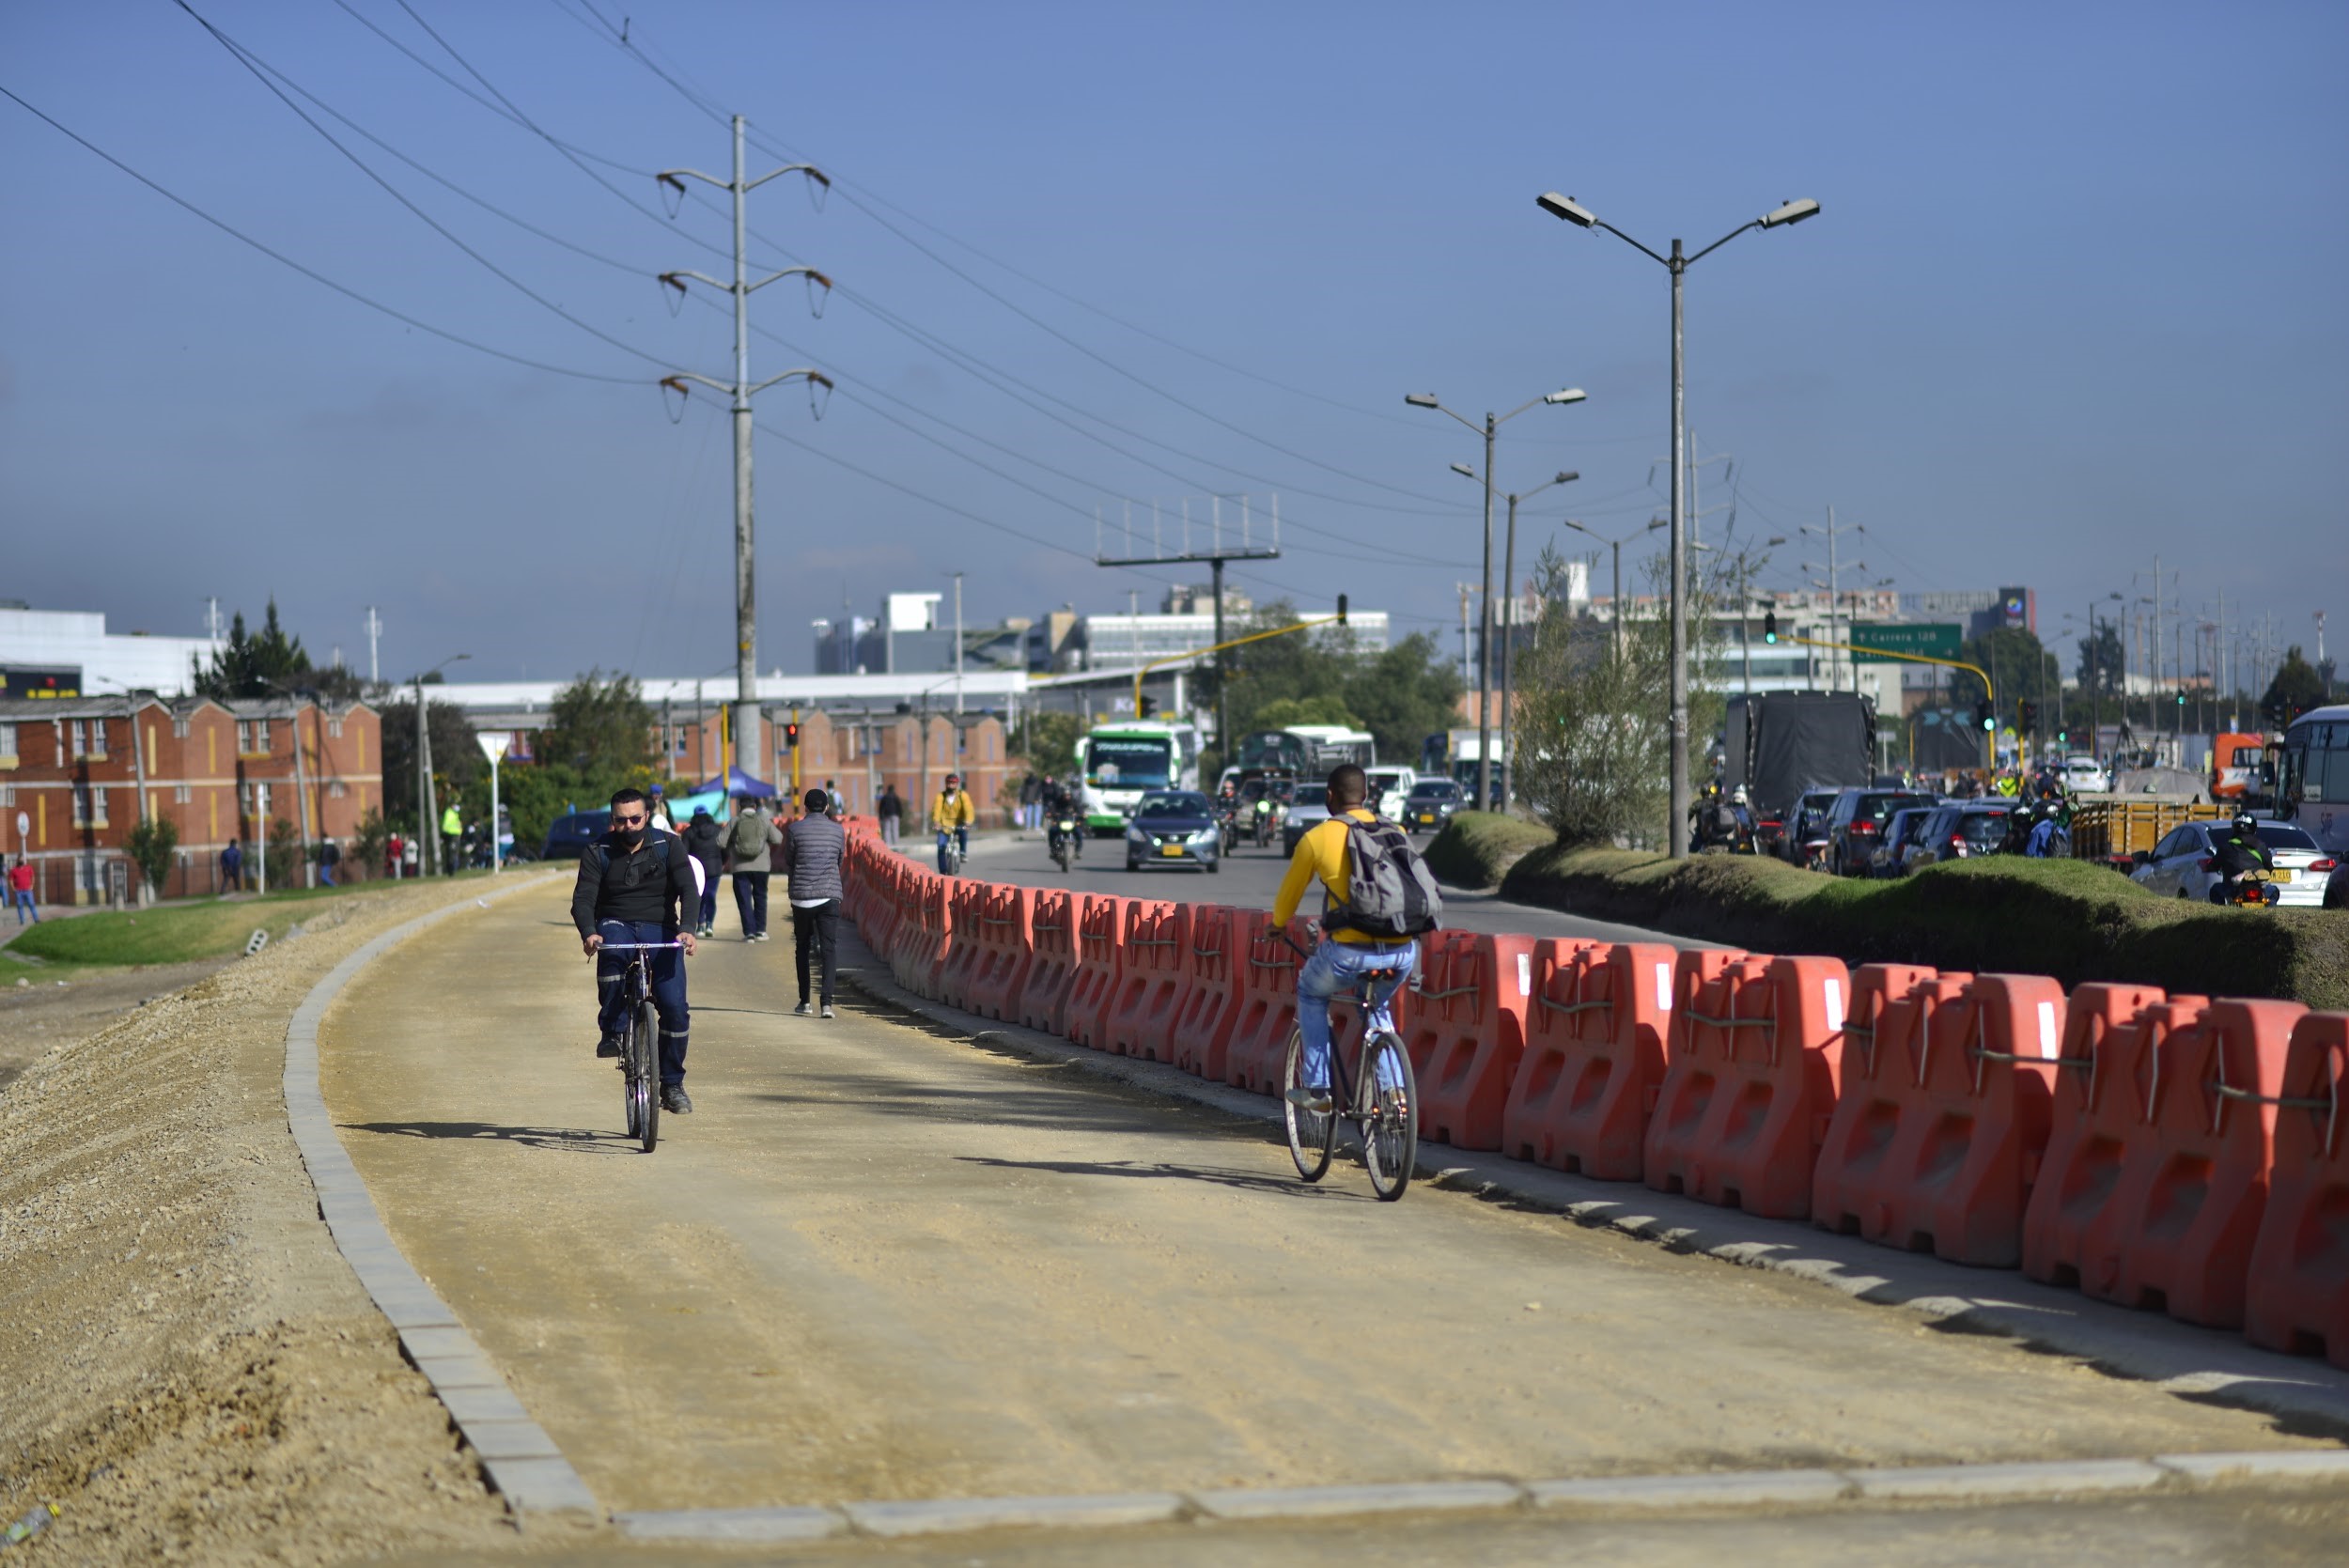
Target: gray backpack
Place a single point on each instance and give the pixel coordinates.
(1390, 892)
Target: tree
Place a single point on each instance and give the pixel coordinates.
(284, 854)
(247, 666)
(456, 759)
(2018, 660)
(1282, 712)
(1047, 741)
(1593, 737)
(600, 727)
(2100, 660)
(1403, 694)
(151, 843)
(2296, 689)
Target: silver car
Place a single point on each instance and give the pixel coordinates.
(2182, 863)
(1309, 811)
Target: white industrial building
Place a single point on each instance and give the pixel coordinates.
(70, 653)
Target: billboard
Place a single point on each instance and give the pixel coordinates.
(41, 680)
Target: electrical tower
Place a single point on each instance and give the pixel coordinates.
(748, 734)
(1218, 548)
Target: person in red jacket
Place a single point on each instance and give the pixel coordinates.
(20, 891)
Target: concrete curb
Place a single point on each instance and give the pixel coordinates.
(522, 1462)
(2179, 1358)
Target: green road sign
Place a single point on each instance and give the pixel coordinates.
(1920, 642)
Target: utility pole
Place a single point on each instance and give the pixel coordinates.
(957, 577)
(426, 839)
(375, 630)
(1219, 549)
(748, 735)
(1833, 568)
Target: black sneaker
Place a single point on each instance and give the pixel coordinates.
(608, 1046)
(674, 1101)
(803, 1009)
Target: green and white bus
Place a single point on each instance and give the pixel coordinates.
(1127, 760)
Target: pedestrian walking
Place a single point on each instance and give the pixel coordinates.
(232, 868)
(1031, 802)
(811, 867)
(705, 841)
(393, 849)
(330, 855)
(834, 806)
(412, 856)
(749, 852)
(891, 810)
(452, 831)
(660, 817)
(21, 898)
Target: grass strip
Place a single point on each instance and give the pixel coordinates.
(2068, 919)
(1476, 848)
(179, 932)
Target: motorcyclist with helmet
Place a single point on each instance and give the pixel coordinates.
(1061, 805)
(2236, 851)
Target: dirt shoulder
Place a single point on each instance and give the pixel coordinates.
(52, 1009)
(192, 1372)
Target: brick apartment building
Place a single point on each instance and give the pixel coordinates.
(860, 753)
(80, 771)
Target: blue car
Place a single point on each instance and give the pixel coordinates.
(567, 837)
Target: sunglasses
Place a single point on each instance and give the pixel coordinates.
(628, 821)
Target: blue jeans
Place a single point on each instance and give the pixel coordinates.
(962, 846)
(666, 969)
(22, 899)
(1332, 970)
(709, 902)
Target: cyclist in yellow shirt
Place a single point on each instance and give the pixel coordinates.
(1345, 956)
(952, 812)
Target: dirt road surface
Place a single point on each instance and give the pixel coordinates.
(881, 1262)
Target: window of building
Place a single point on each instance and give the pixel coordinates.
(334, 791)
(81, 737)
(180, 795)
(82, 817)
(245, 735)
(261, 735)
(7, 741)
(334, 729)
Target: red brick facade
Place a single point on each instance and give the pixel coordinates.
(859, 755)
(67, 767)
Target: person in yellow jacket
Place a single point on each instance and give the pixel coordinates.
(1345, 956)
(452, 829)
(951, 815)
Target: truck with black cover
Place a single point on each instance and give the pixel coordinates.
(1778, 744)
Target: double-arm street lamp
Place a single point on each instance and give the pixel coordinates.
(1509, 622)
(1677, 264)
(1484, 655)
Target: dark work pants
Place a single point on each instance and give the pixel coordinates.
(666, 968)
(750, 901)
(709, 901)
(818, 927)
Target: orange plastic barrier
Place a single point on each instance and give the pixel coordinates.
(966, 902)
(1100, 959)
(1418, 1012)
(2193, 1188)
(1157, 943)
(1686, 1094)
(1939, 1146)
(1052, 931)
(1751, 1087)
(1209, 1003)
(1593, 1057)
(2109, 1034)
(922, 942)
(1008, 951)
(1268, 1007)
(1478, 1028)
(2298, 1296)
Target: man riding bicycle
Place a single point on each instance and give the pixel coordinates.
(1349, 952)
(637, 888)
(951, 813)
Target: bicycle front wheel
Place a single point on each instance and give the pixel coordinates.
(1390, 1116)
(644, 1078)
(1310, 1134)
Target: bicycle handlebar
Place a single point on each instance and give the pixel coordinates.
(635, 947)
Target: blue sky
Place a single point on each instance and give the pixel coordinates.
(2072, 302)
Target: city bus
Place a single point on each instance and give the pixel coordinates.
(2314, 789)
(1306, 751)
(1127, 760)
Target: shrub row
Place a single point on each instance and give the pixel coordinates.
(1476, 848)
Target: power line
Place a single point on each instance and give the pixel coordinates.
(399, 195)
(314, 277)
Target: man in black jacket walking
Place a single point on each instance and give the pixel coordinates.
(811, 850)
(705, 841)
(635, 888)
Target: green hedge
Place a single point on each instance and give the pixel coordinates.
(1477, 847)
(2068, 919)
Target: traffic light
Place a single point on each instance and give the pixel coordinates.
(1769, 626)
(1984, 718)
(1341, 609)
(791, 735)
(1149, 705)
(2030, 719)
(2064, 738)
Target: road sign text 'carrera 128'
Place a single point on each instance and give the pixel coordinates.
(1937, 641)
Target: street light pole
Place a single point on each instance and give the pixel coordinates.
(1616, 545)
(1484, 620)
(1509, 621)
(1567, 210)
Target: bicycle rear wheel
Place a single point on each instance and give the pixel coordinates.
(1390, 1116)
(1310, 1136)
(644, 1078)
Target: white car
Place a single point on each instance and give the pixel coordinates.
(2082, 776)
(2181, 863)
(1389, 788)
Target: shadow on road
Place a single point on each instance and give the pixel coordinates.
(562, 1139)
(1247, 1181)
(1071, 1109)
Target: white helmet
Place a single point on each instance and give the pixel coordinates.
(1739, 796)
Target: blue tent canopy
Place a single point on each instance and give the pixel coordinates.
(735, 782)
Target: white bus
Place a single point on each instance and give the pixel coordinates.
(2314, 793)
(1127, 760)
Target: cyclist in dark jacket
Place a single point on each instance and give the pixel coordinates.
(637, 887)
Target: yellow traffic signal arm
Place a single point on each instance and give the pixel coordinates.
(1913, 659)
